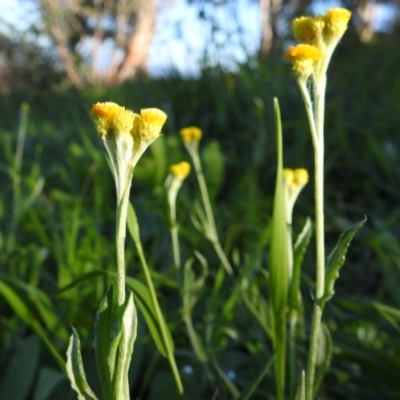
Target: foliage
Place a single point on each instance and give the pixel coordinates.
(68, 228)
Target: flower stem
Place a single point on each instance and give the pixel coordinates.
(213, 235)
(122, 212)
(319, 87)
(174, 233)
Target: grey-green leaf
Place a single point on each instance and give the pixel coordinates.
(143, 300)
(75, 370)
(324, 356)
(337, 257)
(125, 349)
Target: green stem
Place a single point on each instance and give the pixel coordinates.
(292, 352)
(319, 87)
(160, 319)
(175, 246)
(213, 234)
(174, 233)
(194, 340)
(16, 175)
(122, 212)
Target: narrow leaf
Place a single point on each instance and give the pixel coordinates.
(102, 331)
(19, 371)
(300, 248)
(43, 305)
(144, 303)
(301, 389)
(125, 349)
(279, 264)
(247, 393)
(48, 380)
(337, 258)
(324, 356)
(133, 226)
(82, 279)
(23, 311)
(75, 370)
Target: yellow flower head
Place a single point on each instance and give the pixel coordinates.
(295, 179)
(304, 58)
(112, 119)
(308, 30)
(336, 22)
(180, 170)
(147, 125)
(288, 177)
(301, 177)
(191, 134)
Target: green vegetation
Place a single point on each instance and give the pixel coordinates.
(57, 216)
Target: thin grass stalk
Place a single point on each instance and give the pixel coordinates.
(16, 175)
(156, 306)
(209, 213)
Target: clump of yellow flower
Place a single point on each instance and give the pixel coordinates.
(126, 135)
(147, 125)
(336, 22)
(322, 32)
(180, 170)
(294, 181)
(191, 134)
(304, 58)
(112, 119)
(308, 30)
(295, 178)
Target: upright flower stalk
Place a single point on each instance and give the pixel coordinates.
(318, 38)
(191, 137)
(126, 135)
(177, 174)
(293, 183)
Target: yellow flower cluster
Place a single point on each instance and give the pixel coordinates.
(180, 170)
(295, 178)
(113, 120)
(191, 134)
(126, 135)
(321, 33)
(304, 58)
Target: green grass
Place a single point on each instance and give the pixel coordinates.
(68, 227)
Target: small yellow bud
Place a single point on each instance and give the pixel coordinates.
(294, 181)
(112, 119)
(147, 125)
(304, 58)
(336, 22)
(288, 177)
(300, 177)
(180, 170)
(191, 134)
(25, 106)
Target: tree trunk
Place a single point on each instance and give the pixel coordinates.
(270, 10)
(138, 43)
(366, 12)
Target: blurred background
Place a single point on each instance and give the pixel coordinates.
(108, 42)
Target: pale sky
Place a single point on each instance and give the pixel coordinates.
(181, 39)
